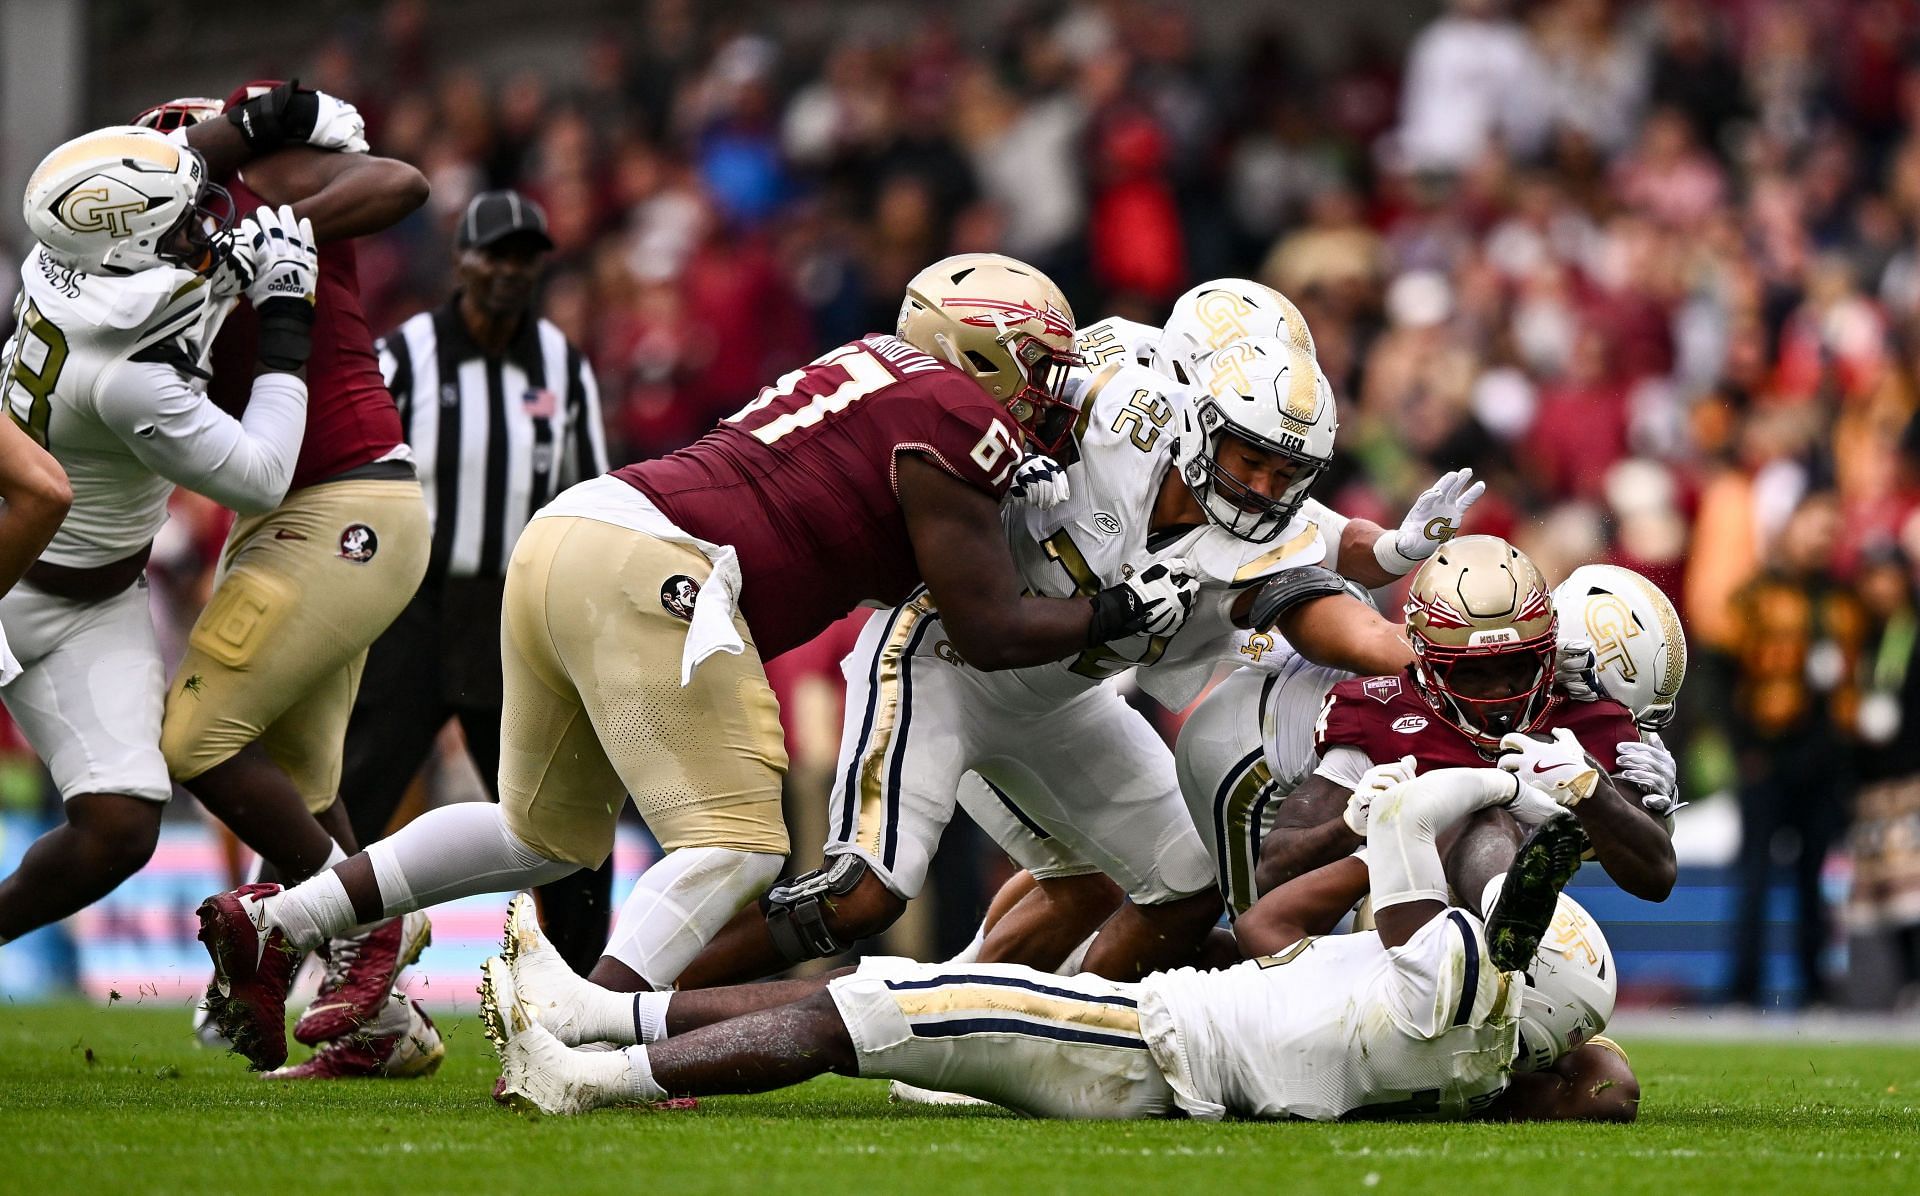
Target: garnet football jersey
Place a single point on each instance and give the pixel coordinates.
(351, 419)
(801, 481)
(1386, 718)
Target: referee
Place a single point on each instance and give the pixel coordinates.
(501, 414)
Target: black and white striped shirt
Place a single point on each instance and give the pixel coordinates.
(494, 439)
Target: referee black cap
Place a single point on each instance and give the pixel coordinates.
(495, 215)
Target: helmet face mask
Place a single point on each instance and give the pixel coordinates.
(1005, 325)
(1484, 637)
(183, 113)
(197, 241)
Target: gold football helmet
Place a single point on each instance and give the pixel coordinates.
(1007, 327)
(1484, 635)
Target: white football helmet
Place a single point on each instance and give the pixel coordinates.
(1215, 314)
(1640, 652)
(1272, 395)
(110, 202)
(1570, 988)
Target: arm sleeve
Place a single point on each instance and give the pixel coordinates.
(178, 433)
(1344, 766)
(1404, 823)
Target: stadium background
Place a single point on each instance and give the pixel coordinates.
(1651, 268)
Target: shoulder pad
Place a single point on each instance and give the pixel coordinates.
(1131, 406)
(1290, 588)
(1115, 339)
(1229, 560)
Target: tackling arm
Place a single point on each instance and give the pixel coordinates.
(176, 431)
(36, 495)
(344, 195)
(1306, 905)
(964, 559)
(1628, 840)
(1308, 833)
(1342, 632)
(1357, 559)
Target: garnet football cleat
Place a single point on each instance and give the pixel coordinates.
(253, 967)
(411, 1050)
(1528, 898)
(360, 973)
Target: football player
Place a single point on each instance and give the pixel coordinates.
(857, 478)
(131, 277)
(1224, 490)
(1485, 638)
(1419, 1017)
(256, 715)
(1250, 742)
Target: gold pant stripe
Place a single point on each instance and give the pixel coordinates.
(872, 763)
(1243, 837)
(999, 1001)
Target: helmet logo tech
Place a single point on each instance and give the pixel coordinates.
(96, 210)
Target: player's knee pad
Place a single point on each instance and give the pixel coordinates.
(797, 912)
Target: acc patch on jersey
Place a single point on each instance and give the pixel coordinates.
(678, 594)
(358, 543)
(1382, 689)
(1410, 724)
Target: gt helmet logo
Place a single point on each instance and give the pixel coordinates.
(105, 207)
(1610, 625)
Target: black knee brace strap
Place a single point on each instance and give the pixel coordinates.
(797, 914)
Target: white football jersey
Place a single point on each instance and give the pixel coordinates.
(1115, 341)
(1340, 1024)
(95, 366)
(1094, 538)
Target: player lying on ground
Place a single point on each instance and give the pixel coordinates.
(1217, 476)
(1413, 1018)
(638, 606)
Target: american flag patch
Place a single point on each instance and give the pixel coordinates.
(539, 404)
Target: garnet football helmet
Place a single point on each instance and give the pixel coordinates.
(1483, 631)
(1007, 327)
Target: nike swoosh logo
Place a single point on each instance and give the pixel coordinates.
(1549, 768)
(284, 534)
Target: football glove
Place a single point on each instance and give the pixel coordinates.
(288, 115)
(1649, 766)
(1040, 483)
(1154, 601)
(1530, 806)
(1432, 520)
(1574, 671)
(1560, 766)
(1372, 783)
(283, 268)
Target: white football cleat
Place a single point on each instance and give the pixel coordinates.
(537, 1071)
(547, 987)
(902, 1093)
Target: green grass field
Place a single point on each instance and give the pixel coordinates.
(119, 1100)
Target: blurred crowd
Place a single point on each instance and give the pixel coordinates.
(1651, 268)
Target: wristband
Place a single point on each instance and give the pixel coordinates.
(282, 116)
(1389, 557)
(286, 334)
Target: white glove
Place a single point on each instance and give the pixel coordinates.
(338, 126)
(1650, 766)
(1432, 520)
(1531, 806)
(1040, 483)
(274, 255)
(1156, 600)
(1573, 671)
(1559, 767)
(1372, 783)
